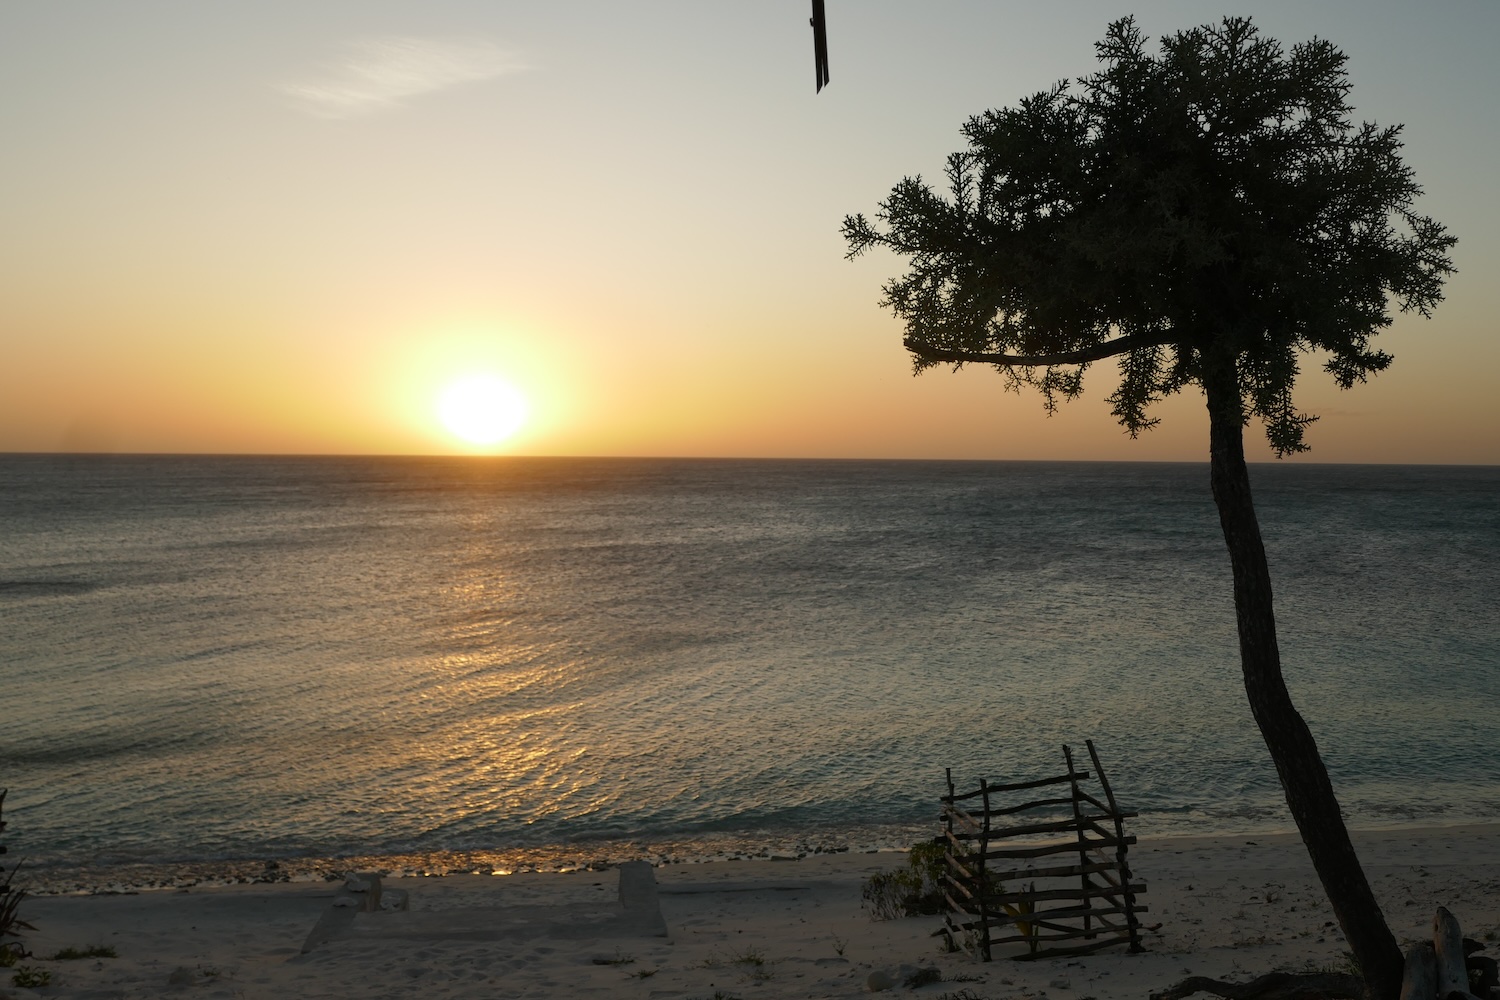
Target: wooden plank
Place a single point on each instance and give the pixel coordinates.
(1070, 892)
(1055, 918)
(1058, 871)
(955, 843)
(957, 905)
(1105, 808)
(1067, 928)
(1018, 853)
(1096, 803)
(964, 819)
(1034, 804)
(1052, 826)
(1092, 823)
(1125, 892)
(961, 934)
(962, 887)
(1113, 928)
(1019, 786)
(1109, 793)
(1120, 817)
(1050, 918)
(1049, 921)
(1078, 819)
(984, 843)
(962, 871)
(1047, 939)
(967, 926)
(1081, 949)
(1107, 872)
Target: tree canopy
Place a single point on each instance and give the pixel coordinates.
(1215, 200)
(1207, 216)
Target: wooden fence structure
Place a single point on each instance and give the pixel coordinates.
(1001, 888)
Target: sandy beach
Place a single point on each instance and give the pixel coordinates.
(1225, 907)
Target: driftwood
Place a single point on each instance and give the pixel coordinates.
(1273, 986)
(1439, 969)
(1419, 981)
(1435, 970)
(1448, 949)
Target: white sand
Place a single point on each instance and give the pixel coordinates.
(1228, 908)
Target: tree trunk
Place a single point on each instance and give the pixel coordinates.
(1304, 779)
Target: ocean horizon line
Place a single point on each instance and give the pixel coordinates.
(1290, 461)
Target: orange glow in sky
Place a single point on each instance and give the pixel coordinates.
(292, 228)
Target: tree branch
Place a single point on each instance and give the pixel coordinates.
(1094, 352)
(1274, 986)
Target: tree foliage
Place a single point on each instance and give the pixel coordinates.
(1206, 216)
(1214, 200)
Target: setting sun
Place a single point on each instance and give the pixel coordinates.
(481, 409)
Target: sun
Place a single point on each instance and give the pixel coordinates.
(481, 409)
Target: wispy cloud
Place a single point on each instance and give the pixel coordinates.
(379, 74)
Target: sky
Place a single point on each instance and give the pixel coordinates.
(291, 227)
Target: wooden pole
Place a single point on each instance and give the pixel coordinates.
(982, 888)
(1131, 921)
(1083, 855)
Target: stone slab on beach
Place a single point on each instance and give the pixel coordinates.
(635, 914)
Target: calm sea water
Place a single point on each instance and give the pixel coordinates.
(222, 658)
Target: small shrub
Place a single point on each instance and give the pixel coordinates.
(913, 891)
(922, 977)
(930, 860)
(885, 894)
(11, 924)
(30, 977)
(753, 965)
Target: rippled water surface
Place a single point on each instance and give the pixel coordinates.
(259, 657)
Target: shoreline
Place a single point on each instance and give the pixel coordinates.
(125, 877)
(1228, 907)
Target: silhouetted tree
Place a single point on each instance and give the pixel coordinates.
(1205, 215)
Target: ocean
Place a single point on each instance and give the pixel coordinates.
(232, 663)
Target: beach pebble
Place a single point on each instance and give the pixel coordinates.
(879, 980)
